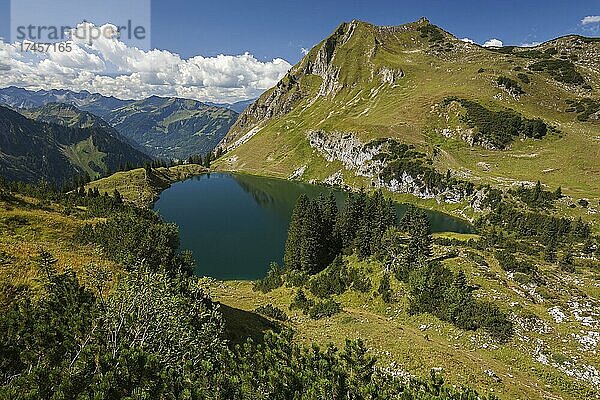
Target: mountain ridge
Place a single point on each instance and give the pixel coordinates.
(164, 127)
(40, 148)
(397, 83)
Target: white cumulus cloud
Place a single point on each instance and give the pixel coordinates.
(493, 43)
(531, 44)
(468, 40)
(110, 67)
(590, 19)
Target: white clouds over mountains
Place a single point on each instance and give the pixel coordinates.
(110, 67)
(590, 19)
(493, 43)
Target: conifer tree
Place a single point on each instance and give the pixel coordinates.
(558, 193)
(117, 196)
(392, 248)
(208, 159)
(385, 289)
(537, 193)
(350, 218)
(383, 217)
(293, 244)
(329, 212)
(148, 169)
(416, 223)
(46, 263)
(313, 254)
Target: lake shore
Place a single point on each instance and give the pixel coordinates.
(138, 187)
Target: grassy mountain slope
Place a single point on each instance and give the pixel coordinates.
(391, 82)
(139, 187)
(67, 115)
(546, 358)
(28, 225)
(60, 143)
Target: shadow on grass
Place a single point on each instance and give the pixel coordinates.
(241, 325)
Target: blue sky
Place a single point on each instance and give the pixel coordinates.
(193, 34)
(280, 28)
(270, 29)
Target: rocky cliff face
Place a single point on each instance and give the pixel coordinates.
(345, 147)
(371, 160)
(323, 65)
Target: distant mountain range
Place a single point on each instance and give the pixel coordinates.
(94, 103)
(172, 127)
(57, 142)
(238, 106)
(163, 127)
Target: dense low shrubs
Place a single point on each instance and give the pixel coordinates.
(337, 278)
(154, 336)
(498, 128)
(271, 281)
(432, 33)
(402, 160)
(129, 237)
(563, 71)
(584, 108)
(437, 290)
(385, 288)
(529, 53)
(510, 85)
(301, 302)
(524, 78)
(533, 225)
(151, 334)
(315, 310)
(272, 312)
(509, 262)
(324, 309)
(535, 196)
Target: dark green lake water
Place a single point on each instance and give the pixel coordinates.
(237, 224)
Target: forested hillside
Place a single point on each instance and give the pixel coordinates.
(57, 151)
(141, 325)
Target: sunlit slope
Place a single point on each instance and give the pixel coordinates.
(391, 82)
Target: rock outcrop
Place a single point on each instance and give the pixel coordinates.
(390, 76)
(345, 147)
(370, 160)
